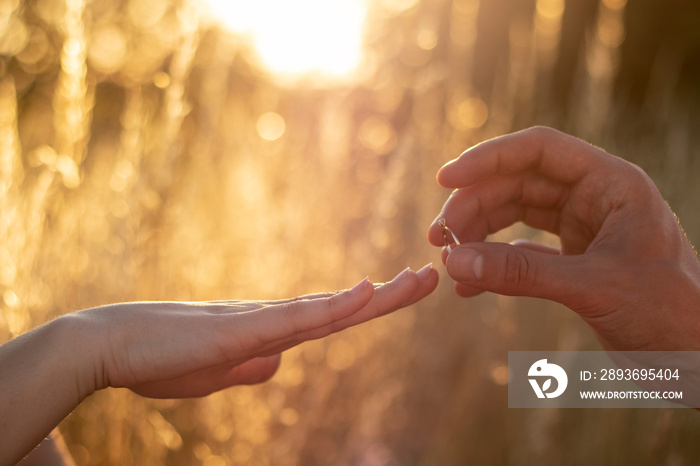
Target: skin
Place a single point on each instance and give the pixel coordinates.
(171, 349)
(51, 452)
(625, 265)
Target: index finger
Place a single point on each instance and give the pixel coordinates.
(277, 327)
(561, 157)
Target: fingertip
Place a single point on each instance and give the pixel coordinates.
(466, 291)
(349, 301)
(442, 174)
(429, 278)
(451, 175)
(403, 276)
(361, 287)
(434, 233)
(406, 280)
(465, 264)
(426, 280)
(362, 292)
(444, 255)
(424, 271)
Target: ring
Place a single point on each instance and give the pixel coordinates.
(449, 243)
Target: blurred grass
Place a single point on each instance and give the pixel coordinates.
(136, 165)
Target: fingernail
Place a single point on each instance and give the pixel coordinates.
(423, 273)
(357, 289)
(465, 264)
(405, 273)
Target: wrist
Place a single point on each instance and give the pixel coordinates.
(83, 351)
(46, 373)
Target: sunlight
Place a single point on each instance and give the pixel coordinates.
(300, 37)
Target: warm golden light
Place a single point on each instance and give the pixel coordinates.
(270, 126)
(152, 150)
(299, 37)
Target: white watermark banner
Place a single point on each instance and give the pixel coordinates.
(600, 379)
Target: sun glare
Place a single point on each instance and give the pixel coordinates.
(301, 36)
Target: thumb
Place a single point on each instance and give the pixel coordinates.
(256, 370)
(519, 271)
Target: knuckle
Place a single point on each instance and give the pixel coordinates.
(542, 132)
(519, 272)
(643, 180)
(331, 307)
(290, 313)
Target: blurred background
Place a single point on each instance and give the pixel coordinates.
(172, 149)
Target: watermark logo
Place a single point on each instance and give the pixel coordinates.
(542, 370)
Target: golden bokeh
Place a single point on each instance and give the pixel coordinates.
(270, 126)
(148, 153)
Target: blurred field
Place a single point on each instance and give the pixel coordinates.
(146, 154)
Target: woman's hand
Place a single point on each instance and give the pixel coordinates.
(175, 350)
(171, 350)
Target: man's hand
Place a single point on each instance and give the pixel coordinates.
(624, 264)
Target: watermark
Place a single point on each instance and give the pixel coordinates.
(543, 370)
(599, 379)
